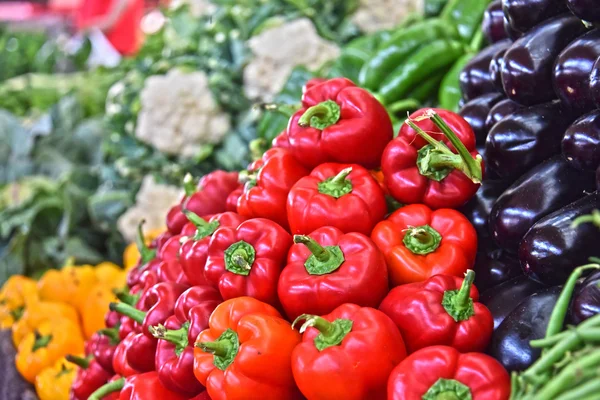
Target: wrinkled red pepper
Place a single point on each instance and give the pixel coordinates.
(269, 182)
(247, 260)
(347, 354)
(193, 252)
(90, 377)
(329, 268)
(339, 122)
(103, 345)
(120, 364)
(422, 166)
(344, 196)
(175, 350)
(443, 310)
(438, 372)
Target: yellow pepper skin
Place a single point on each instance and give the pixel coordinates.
(38, 312)
(96, 307)
(110, 274)
(43, 347)
(54, 383)
(69, 285)
(131, 255)
(16, 293)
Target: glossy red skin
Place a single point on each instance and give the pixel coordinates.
(160, 240)
(232, 199)
(147, 386)
(176, 219)
(120, 364)
(417, 311)
(193, 253)
(159, 303)
(362, 279)
(134, 277)
(360, 135)
(212, 192)
(281, 141)
(356, 369)
(413, 377)
(312, 82)
(170, 249)
(89, 380)
(172, 271)
(357, 211)
(103, 351)
(271, 243)
(177, 372)
(278, 170)
(189, 229)
(402, 177)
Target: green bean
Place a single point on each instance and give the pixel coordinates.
(582, 368)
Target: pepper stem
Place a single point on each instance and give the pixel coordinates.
(286, 110)
(203, 228)
(593, 218)
(225, 348)
(41, 341)
(320, 253)
(239, 258)
(422, 239)
(112, 334)
(81, 362)
(458, 303)
(338, 185)
(128, 311)
(323, 260)
(189, 186)
(178, 337)
(146, 253)
(330, 333)
(126, 297)
(448, 389)
(110, 387)
(321, 116)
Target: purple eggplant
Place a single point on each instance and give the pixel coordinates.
(528, 321)
(476, 111)
(598, 179)
(525, 138)
(475, 77)
(595, 83)
(553, 247)
(496, 68)
(494, 267)
(493, 23)
(501, 109)
(528, 63)
(504, 298)
(525, 14)
(511, 32)
(587, 10)
(541, 191)
(581, 143)
(572, 71)
(586, 299)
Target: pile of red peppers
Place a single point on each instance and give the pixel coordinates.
(294, 280)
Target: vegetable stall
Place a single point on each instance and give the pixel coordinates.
(306, 199)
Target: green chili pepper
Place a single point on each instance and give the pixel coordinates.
(466, 15)
(434, 7)
(426, 62)
(450, 94)
(427, 88)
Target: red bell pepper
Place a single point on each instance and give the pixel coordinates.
(172, 271)
(247, 260)
(281, 141)
(154, 307)
(103, 345)
(347, 354)
(90, 377)
(175, 350)
(141, 387)
(120, 364)
(420, 169)
(147, 259)
(232, 199)
(345, 196)
(441, 372)
(246, 352)
(193, 252)
(339, 122)
(418, 243)
(329, 268)
(443, 310)
(271, 178)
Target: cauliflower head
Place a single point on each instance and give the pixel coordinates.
(179, 115)
(197, 8)
(276, 51)
(152, 203)
(376, 15)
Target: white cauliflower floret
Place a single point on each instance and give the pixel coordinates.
(179, 115)
(198, 8)
(278, 50)
(376, 15)
(152, 203)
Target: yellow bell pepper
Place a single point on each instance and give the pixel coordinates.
(54, 383)
(43, 347)
(14, 296)
(110, 274)
(69, 285)
(96, 307)
(131, 255)
(39, 311)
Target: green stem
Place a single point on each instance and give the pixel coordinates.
(146, 254)
(593, 218)
(40, 341)
(422, 239)
(287, 110)
(448, 389)
(178, 337)
(218, 348)
(458, 303)
(323, 260)
(128, 311)
(338, 185)
(318, 251)
(112, 334)
(17, 313)
(110, 387)
(203, 227)
(330, 333)
(189, 185)
(126, 297)
(321, 116)
(225, 348)
(81, 362)
(552, 340)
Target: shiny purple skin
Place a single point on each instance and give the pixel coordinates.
(598, 179)
(525, 14)
(475, 77)
(572, 69)
(586, 299)
(552, 248)
(512, 33)
(525, 138)
(493, 23)
(529, 62)
(541, 191)
(476, 111)
(595, 83)
(581, 143)
(501, 109)
(495, 267)
(587, 10)
(496, 64)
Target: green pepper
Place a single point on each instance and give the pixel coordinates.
(466, 15)
(433, 8)
(450, 94)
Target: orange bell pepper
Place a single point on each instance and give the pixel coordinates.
(70, 285)
(38, 311)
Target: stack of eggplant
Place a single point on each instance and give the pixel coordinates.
(533, 98)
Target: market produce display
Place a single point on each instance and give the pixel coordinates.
(315, 207)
